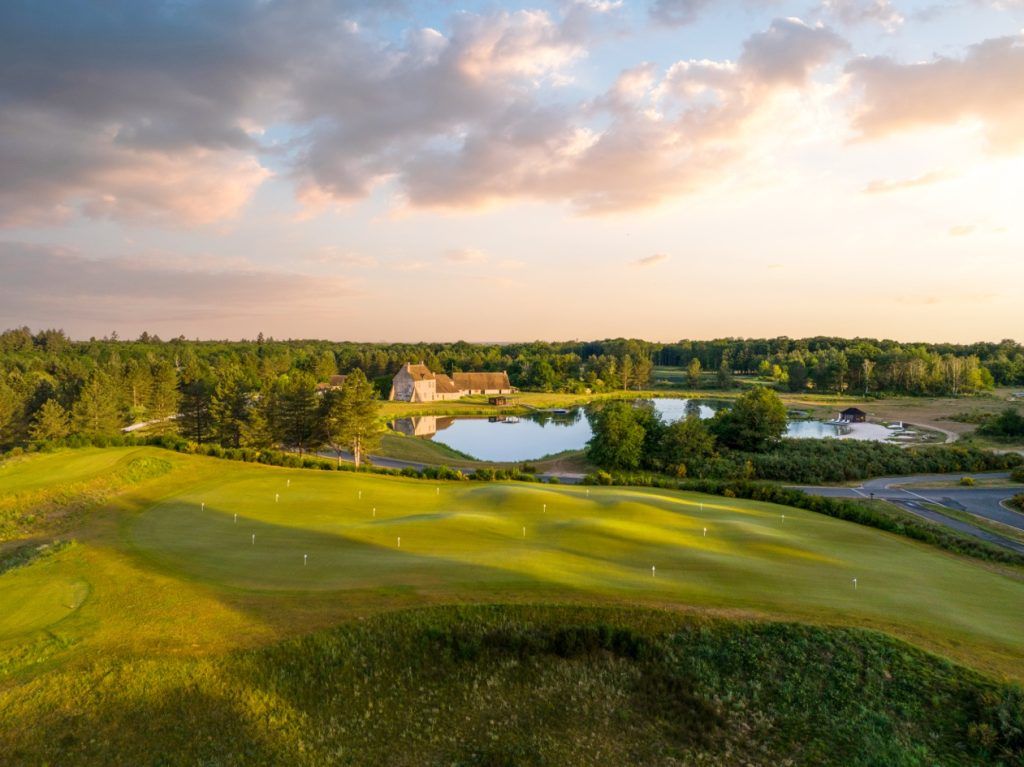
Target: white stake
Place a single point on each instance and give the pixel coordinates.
(236, 518)
(277, 497)
(399, 541)
(702, 508)
(524, 532)
(545, 508)
(254, 539)
(783, 519)
(437, 491)
(705, 532)
(854, 584)
(375, 511)
(289, 483)
(305, 557)
(588, 491)
(203, 508)
(652, 572)
(360, 495)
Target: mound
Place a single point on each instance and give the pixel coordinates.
(532, 686)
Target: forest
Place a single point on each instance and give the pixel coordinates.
(263, 391)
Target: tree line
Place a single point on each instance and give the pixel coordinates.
(257, 391)
(744, 442)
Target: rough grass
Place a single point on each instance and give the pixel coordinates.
(528, 686)
(45, 495)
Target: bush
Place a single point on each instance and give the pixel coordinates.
(1017, 502)
(1017, 475)
(967, 481)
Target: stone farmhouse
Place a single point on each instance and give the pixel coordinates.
(416, 383)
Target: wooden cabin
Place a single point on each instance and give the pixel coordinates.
(853, 415)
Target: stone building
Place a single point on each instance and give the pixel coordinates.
(416, 383)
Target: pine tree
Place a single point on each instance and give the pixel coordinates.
(164, 398)
(10, 407)
(229, 406)
(257, 430)
(297, 418)
(95, 413)
(50, 424)
(352, 419)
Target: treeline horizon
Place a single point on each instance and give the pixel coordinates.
(50, 384)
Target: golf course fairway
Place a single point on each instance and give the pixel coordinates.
(180, 558)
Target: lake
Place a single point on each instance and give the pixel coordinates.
(528, 437)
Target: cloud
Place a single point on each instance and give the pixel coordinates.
(853, 12)
(174, 113)
(646, 261)
(465, 256)
(885, 185)
(334, 255)
(53, 286)
(788, 50)
(677, 13)
(983, 86)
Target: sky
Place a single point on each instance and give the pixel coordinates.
(573, 169)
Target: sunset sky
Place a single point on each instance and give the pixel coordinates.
(413, 171)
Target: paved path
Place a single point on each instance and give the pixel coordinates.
(984, 502)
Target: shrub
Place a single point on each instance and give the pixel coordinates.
(967, 481)
(1017, 475)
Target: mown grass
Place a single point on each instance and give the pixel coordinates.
(528, 685)
(157, 637)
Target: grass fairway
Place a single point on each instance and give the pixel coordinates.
(145, 615)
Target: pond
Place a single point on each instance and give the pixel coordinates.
(528, 437)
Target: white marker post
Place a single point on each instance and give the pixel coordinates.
(652, 572)
(437, 491)
(399, 541)
(702, 508)
(783, 519)
(277, 497)
(254, 539)
(545, 508)
(202, 506)
(360, 495)
(524, 532)
(588, 491)
(854, 584)
(289, 483)
(236, 518)
(705, 532)
(305, 557)
(375, 511)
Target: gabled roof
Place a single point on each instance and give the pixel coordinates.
(445, 385)
(466, 381)
(419, 372)
(853, 411)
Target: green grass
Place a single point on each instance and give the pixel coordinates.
(165, 619)
(529, 686)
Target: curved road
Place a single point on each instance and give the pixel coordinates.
(987, 502)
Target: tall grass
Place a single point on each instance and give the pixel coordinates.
(528, 686)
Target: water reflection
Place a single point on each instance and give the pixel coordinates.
(508, 438)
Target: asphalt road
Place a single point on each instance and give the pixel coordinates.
(984, 502)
